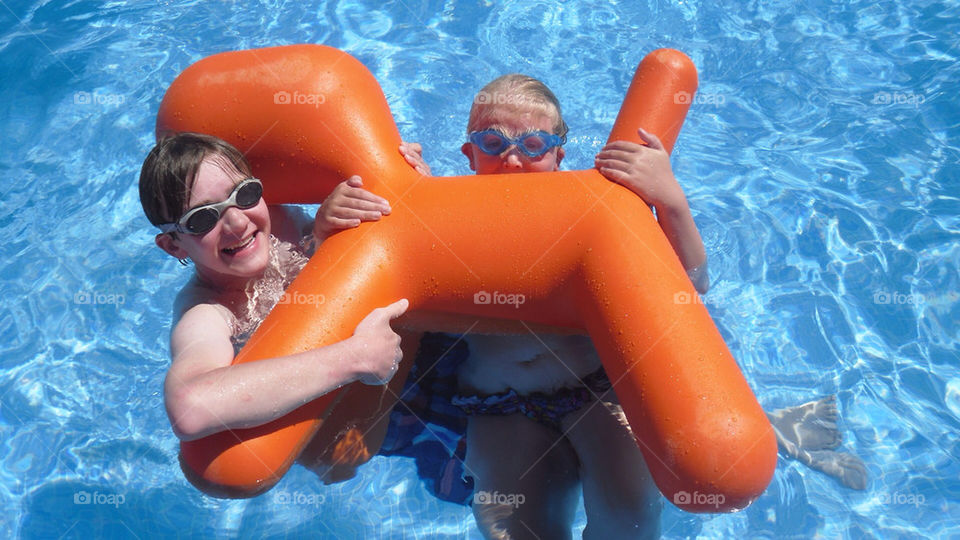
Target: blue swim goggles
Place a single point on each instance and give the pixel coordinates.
(203, 218)
(533, 144)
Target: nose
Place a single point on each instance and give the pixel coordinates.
(234, 221)
(511, 158)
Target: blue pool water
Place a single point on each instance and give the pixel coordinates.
(820, 160)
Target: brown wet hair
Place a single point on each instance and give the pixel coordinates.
(168, 173)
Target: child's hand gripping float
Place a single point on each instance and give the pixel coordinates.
(583, 252)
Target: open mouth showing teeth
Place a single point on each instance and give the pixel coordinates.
(237, 247)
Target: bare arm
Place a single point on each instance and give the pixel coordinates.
(205, 394)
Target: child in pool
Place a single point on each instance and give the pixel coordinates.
(544, 390)
(541, 389)
(198, 190)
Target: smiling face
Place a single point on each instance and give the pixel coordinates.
(237, 249)
(514, 120)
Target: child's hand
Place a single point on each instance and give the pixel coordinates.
(379, 352)
(644, 170)
(413, 153)
(346, 207)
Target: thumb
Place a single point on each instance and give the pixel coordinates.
(650, 139)
(398, 308)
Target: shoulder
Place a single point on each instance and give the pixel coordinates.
(289, 222)
(202, 303)
(200, 340)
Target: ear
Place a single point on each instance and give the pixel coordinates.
(167, 243)
(467, 150)
(560, 154)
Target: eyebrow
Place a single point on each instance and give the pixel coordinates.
(509, 132)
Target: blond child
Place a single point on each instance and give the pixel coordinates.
(542, 418)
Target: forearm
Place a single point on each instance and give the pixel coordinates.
(253, 393)
(677, 224)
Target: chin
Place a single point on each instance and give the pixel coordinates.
(252, 264)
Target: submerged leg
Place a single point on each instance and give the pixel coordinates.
(808, 433)
(525, 478)
(354, 430)
(619, 496)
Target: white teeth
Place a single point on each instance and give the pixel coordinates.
(237, 247)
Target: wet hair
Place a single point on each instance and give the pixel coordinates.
(516, 90)
(168, 173)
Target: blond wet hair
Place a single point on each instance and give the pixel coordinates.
(520, 92)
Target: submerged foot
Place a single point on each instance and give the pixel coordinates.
(811, 426)
(808, 433)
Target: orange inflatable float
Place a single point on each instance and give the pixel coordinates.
(584, 252)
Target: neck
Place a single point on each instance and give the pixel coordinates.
(223, 282)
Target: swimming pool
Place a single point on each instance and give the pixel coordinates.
(820, 160)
